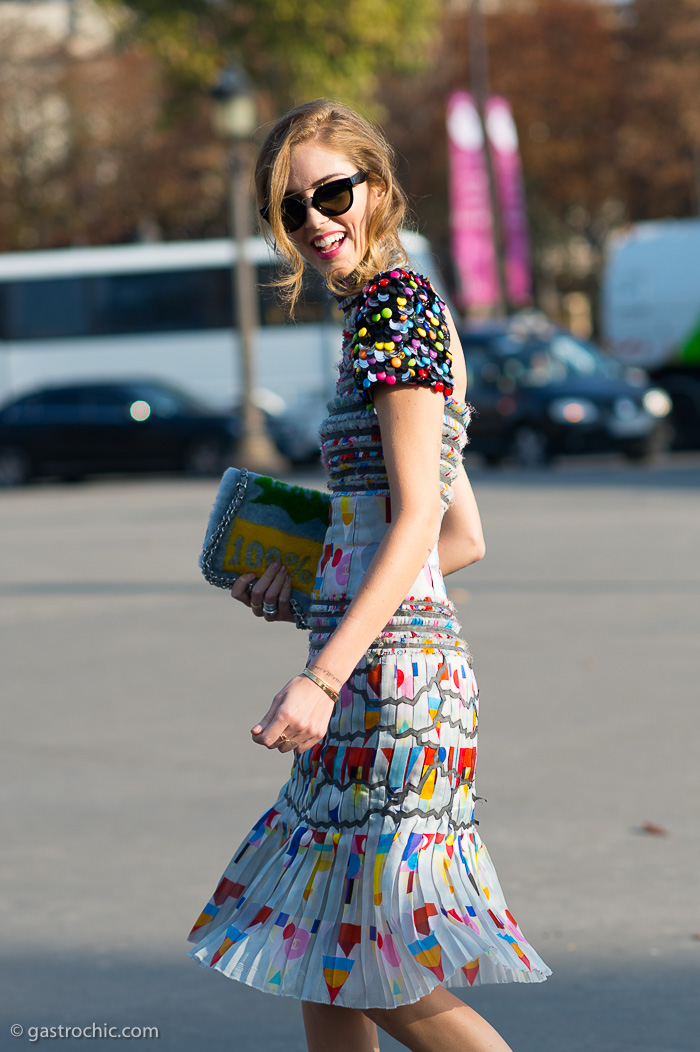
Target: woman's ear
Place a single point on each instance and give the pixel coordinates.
(378, 189)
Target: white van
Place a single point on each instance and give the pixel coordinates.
(650, 311)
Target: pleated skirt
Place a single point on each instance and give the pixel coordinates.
(366, 883)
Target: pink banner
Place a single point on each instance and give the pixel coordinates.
(503, 137)
(470, 209)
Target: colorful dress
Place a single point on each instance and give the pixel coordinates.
(366, 883)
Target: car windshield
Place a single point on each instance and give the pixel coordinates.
(536, 363)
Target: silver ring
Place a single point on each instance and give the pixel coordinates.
(249, 588)
(270, 609)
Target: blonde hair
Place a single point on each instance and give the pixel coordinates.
(339, 129)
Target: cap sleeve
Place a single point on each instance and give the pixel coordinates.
(401, 334)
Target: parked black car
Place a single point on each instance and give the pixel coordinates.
(540, 392)
(91, 428)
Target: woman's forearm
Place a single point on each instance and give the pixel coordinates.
(461, 535)
(397, 562)
(456, 552)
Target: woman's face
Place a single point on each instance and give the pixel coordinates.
(332, 244)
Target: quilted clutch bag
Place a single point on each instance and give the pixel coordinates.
(257, 520)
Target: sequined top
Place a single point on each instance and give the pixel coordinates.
(412, 323)
(400, 334)
(353, 457)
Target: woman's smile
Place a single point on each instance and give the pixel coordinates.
(327, 246)
(331, 244)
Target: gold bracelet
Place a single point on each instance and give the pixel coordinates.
(334, 695)
(325, 672)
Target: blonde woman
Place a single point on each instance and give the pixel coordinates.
(365, 887)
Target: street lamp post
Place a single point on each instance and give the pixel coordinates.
(235, 120)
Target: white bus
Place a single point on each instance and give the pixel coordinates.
(161, 311)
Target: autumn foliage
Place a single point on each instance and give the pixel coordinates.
(117, 144)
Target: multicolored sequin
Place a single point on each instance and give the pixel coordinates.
(366, 883)
(401, 334)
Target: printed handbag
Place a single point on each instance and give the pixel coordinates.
(257, 520)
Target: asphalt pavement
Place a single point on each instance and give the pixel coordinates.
(129, 777)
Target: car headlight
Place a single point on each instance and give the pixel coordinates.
(139, 410)
(657, 402)
(573, 411)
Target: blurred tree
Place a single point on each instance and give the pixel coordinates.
(659, 141)
(556, 62)
(605, 99)
(293, 49)
(115, 143)
(559, 67)
(85, 157)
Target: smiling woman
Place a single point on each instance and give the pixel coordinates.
(366, 885)
(362, 225)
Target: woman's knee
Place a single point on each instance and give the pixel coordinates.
(436, 1002)
(316, 1011)
(382, 1017)
(343, 1029)
(374, 1014)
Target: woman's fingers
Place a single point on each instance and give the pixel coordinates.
(271, 599)
(299, 713)
(239, 589)
(298, 742)
(260, 727)
(251, 590)
(272, 730)
(273, 589)
(303, 745)
(284, 612)
(257, 595)
(298, 747)
(269, 734)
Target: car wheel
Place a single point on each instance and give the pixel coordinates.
(640, 452)
(15, 466)
(530, 447)
(685, 421)
(203, 457)
(648, 449)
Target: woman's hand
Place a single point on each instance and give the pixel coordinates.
(272, 589)
(301, 712)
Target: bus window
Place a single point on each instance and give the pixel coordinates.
(116, 304)
(313, 306)
(149, 302)
(161, 301)
(49, 308)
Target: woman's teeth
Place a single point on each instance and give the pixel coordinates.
(324, 243)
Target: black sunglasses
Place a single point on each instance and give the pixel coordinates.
(331, 199)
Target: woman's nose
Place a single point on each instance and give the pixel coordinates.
(313, 216)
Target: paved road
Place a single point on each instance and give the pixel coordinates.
(129, 686)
